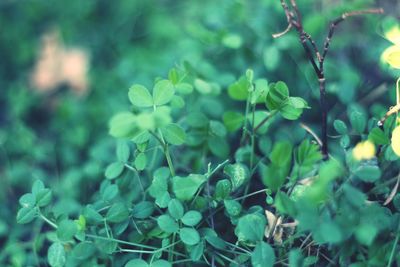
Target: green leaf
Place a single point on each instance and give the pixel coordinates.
(233, 120)
(167, 224)
(217, 128)
(378, 137)
(191, 218)
(260, 92)
(284, 204)
(366, 233)
(163, 92)
(239, 90)
(185, 187)
(137, 263)
(122, 125)
(197, 251)
(92, 216)
(354, 196)
(160, 263)
(173, 76)
(159, 185)
(203, 87)
(26, 215)
(222, 189)
(140, 161)
(83, 250)
(177, 102)
(174, 134)
(368, 173)
(358, 121)
(184, 88)
(238, 173)
(117, 213)
(140, 96)
(114, 170)
(271, 57)
(232, 207)
(215, 241)
(274, 176)
(110, 192)
(197, 119)
(43, 197)
(189, 236)
(143, 210)
(330, 232)
(163, 200)
(175, 209)
(250, 228)
(123, 151)
(56, 255)
(277, 95)
(345, 141)
(66, 230)
(263, 255)
(218, 146)
(233, 41)
(293, 108)
(281, 154)
(141, 138)
(27, 200)
(37, 187)
(340, 127)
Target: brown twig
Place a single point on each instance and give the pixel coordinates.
(393, 192)
(310, 131)
(294, 19)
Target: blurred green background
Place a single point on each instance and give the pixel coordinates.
(58, 132)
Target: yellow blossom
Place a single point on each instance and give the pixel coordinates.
(364, 150)
(396, 140)
(392, 54)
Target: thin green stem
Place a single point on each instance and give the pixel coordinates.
(394, 247)
(209, 174)
(238, 248)
(251, 194)
(47, 220)
(138, 177)
(169, 160)
(270, 115)
(120, 241)
(165, 147)
(136, 251)
(171, 248)
(252, 141)
(244, 129)
(226, 258)
(183, 261)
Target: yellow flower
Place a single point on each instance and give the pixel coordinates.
(364, 150)
(396, 140)
(392, 54)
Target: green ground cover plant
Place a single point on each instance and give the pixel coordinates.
(218, 164)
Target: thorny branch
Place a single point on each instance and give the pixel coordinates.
(317, 59)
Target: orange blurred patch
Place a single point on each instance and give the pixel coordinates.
(57, 64)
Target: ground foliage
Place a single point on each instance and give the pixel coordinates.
(214, 162)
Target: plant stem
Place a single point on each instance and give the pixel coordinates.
(251, 194)
(169, 160)
(47, 220)
(120, 241)
(244, 131)
(138, 177)
(324, 116)
(294, 20)
(394, 247)
(165, 147)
